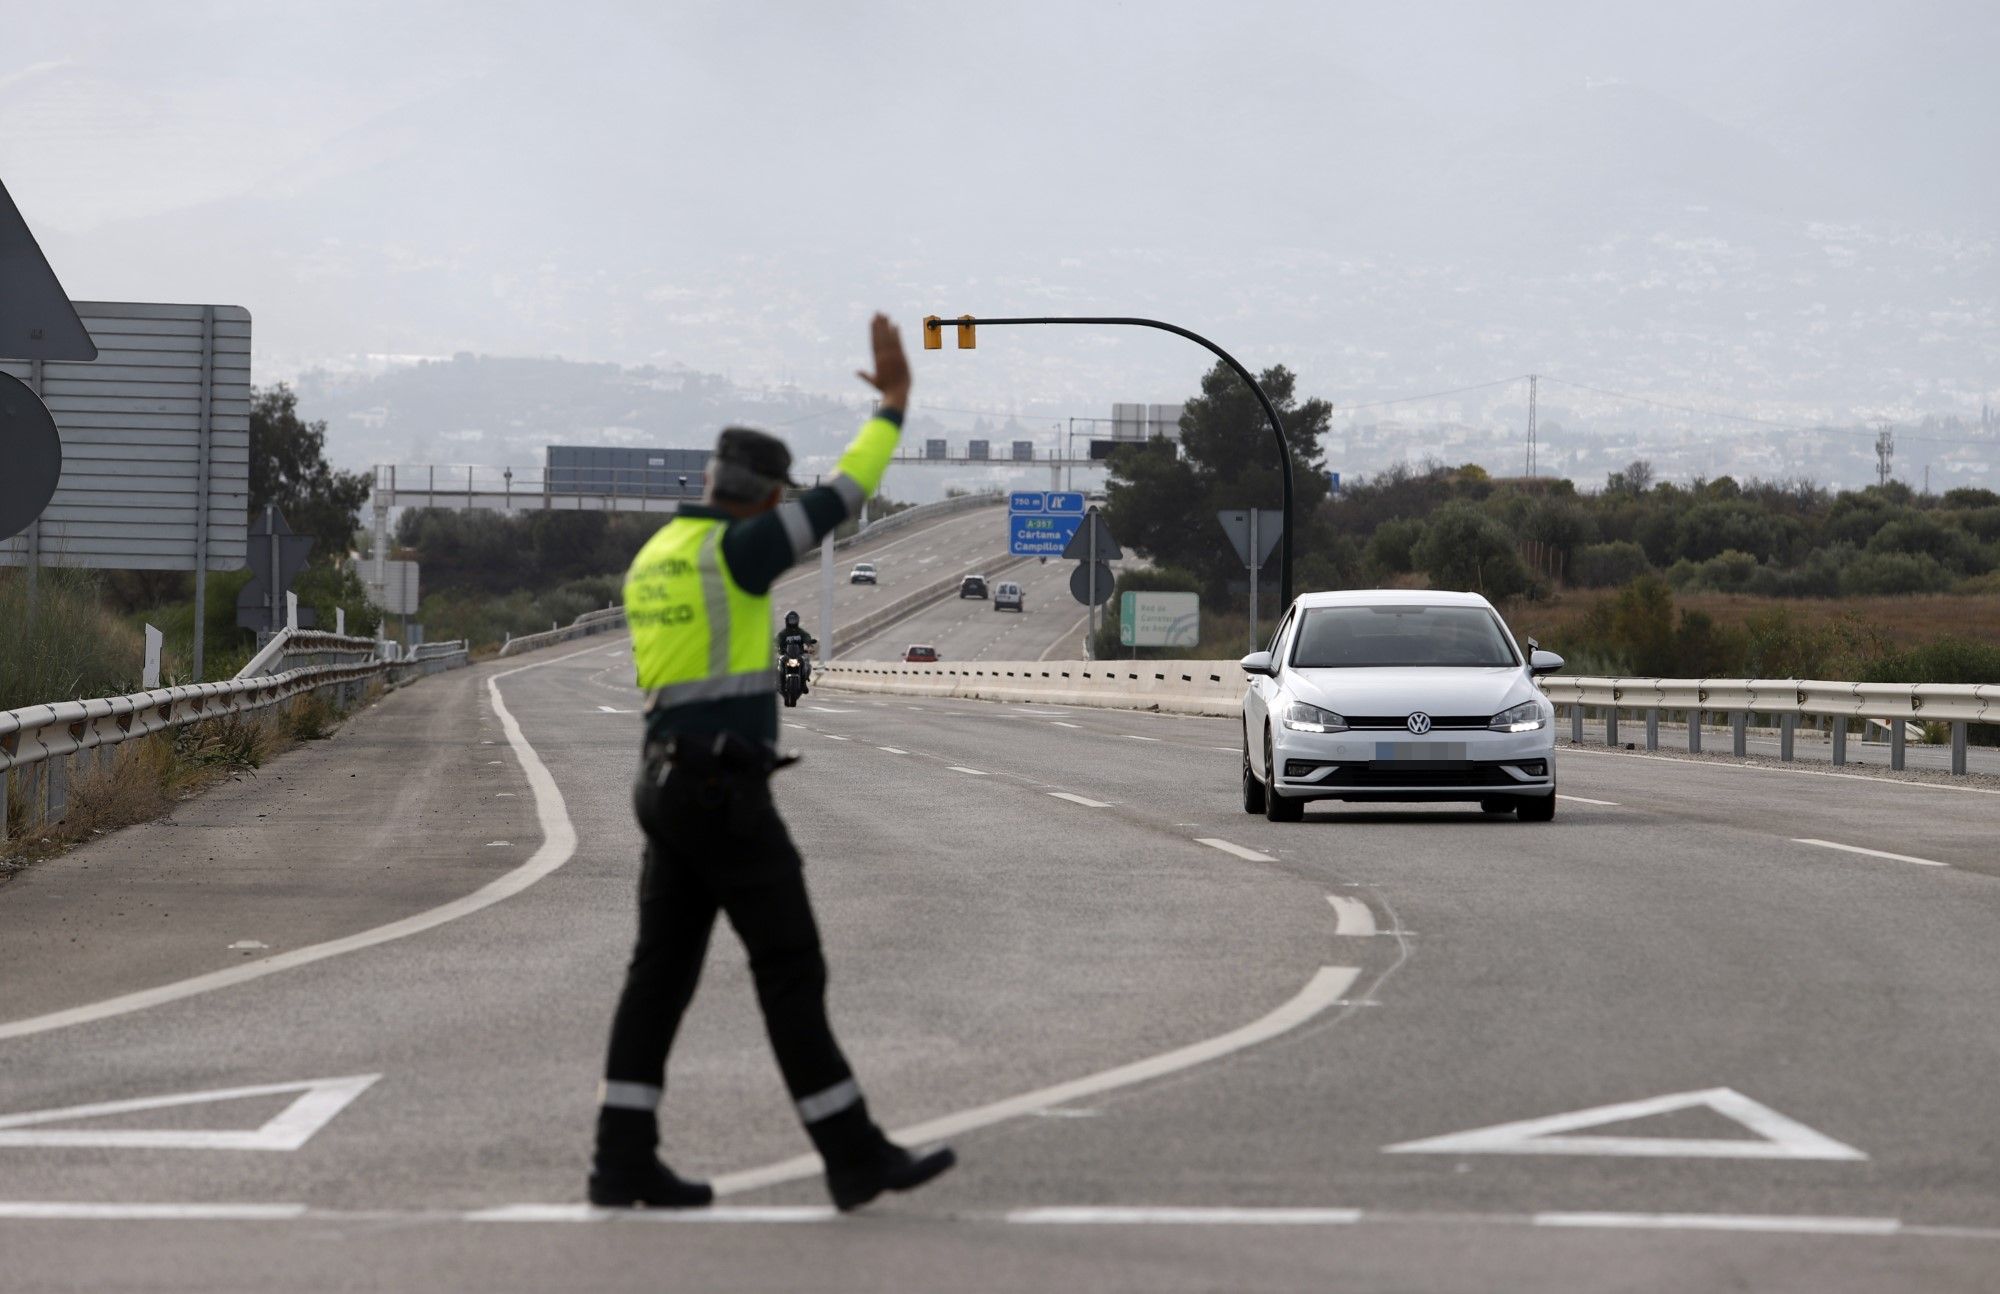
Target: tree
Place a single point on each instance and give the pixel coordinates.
(1163, 504)
(1465, 549)
(1637, 478)
(288, 468)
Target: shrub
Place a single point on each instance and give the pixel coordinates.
(1889, 573)
(1463, 548)
(1392, 547)
(1602, 565)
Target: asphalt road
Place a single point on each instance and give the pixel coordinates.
(1049, 624)
(1247, 1016)
(906, 559)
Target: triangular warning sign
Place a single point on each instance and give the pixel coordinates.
(319, 1100)
(1777, 1137)
(1078, 549)
(36, 319)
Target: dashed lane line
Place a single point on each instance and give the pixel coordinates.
(835, 737)
(1250, 855)
(1133, 736)
(1351, 916)
(1580, 799)
(1078, 799)
(893, 750)
(1054, 1216)
(1872, 853)
(1060, 724)
(960, 768)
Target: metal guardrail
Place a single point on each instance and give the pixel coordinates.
(1215, 687)
(603, 620)
(40, 744)
(1785, 702)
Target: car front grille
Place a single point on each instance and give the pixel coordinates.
(1439, 722)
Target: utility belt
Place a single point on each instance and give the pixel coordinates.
(709, 755)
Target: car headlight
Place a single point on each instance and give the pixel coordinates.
(1525, 717)
(1300, 717)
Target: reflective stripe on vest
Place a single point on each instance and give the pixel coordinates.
(696, 635)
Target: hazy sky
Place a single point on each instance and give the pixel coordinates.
(1787, 207)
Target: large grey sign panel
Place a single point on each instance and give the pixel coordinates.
(168, 381)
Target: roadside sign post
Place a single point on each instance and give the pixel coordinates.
(1091, 546)
(1159, 620)
(1252, 532)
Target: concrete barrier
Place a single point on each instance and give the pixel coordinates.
(1207, 687)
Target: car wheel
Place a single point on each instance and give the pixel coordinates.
(1539, 808)
(1276, 807)
(1253, 788)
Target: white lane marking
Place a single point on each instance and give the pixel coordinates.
(893, 750)
(1872, 853)
(319, 1100)
(827, 709)
(1238, 850)
(612, 709)
(835, 737)
(1351, 916)
(1133, 736)
(1724, 1222)
(1607, 804)
(1060, 724)
(1796, 772)
(78, 1211)
(1778, 1137)
(558, 843)
(585, 1213)
(1327, 986)
(1078, 799)
(1117, 1217)
(956, 768)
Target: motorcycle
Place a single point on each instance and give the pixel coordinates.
(792, 680)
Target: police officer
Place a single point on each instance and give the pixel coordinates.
(796, 642)
(698, 602)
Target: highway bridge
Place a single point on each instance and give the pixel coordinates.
(1722, 1024)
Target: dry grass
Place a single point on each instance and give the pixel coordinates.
(143, 780)
(1899, 622)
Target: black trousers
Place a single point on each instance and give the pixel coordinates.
(715, 843)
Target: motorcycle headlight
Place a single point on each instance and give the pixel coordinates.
(1300, 717)
(1525, 717)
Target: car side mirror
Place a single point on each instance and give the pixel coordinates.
(1259, 662)
(1543, 662)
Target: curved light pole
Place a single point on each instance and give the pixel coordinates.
(933, 340)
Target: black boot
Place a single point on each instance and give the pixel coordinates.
(644, 1184)
(626, 1173)
(885, 1167)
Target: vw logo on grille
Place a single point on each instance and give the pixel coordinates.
(1419, 723)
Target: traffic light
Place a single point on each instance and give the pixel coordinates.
(965, 339)
(933, 333)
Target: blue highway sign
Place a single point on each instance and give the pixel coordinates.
(1040, 523)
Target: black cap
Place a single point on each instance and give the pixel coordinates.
(759, 451)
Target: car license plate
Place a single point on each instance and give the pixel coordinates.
(1428, 750)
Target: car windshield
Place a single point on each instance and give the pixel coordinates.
(1365, 637)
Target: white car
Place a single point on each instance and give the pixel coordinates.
(1395, 694)
(863, 573)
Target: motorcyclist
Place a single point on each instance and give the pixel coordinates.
(794, 641)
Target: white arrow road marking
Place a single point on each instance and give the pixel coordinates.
(1872, 853)
(1778, 1137)
(1238, 850)
(319, 1100)
(1351, 916)
(1327, 986)
(1078, 799)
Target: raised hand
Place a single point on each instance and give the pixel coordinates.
(892, 371)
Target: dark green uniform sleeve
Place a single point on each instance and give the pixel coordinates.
(762, 548)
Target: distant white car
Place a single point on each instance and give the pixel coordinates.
(1007, 596)
(863, 573)
(1394, 694)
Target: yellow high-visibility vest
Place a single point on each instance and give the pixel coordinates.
(696, 635)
